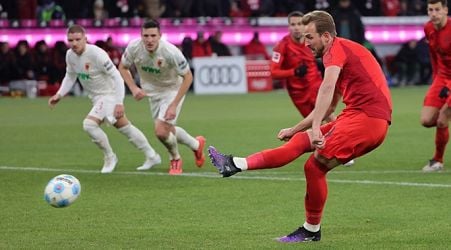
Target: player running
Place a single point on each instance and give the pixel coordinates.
(438, 34)
(165, 77)
(294, 61)
(105, 87)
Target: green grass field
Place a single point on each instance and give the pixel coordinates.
(384, 201)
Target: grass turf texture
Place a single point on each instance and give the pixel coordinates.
(383, 202)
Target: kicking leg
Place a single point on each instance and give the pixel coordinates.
(228, 165)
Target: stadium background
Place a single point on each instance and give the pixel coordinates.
(32, 35)
(384, 202)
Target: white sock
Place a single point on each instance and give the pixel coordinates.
(240, 163)
(171, 145)
(184, 138)
(312, 228)
(98, 136)
(138, 139)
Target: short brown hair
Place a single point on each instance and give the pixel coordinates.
(322, 20)
(76, 29)
(295, 14)
(151, 23)
(444, 2)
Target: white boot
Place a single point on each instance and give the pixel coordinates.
(433, 166)
(150, 162)
(110, 163)
(349, 163)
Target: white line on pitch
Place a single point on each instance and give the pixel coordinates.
(360, 172)
(243, 177)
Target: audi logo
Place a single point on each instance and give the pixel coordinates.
(219, 75)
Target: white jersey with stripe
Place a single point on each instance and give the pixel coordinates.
(96, 72)
(159, 71)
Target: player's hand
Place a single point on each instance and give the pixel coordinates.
(119, 111)
(444, 92)
(170, 112)
(54, 100)
(139, 94)
(318, 139)
(301, 70)
(285, 134)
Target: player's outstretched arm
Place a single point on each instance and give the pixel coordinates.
(67, 84)
(54, 100)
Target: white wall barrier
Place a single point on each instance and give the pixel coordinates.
(220, 75)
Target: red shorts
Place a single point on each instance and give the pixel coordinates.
(353, 134)
(432, 98)
(304, 103)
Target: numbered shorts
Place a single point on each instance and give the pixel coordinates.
(103, 108)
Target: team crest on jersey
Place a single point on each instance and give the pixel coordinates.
(276, 57)
(160, 62)
(87, 66)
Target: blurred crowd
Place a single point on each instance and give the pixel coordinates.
(47, 64)
(41, 63)
(38, 63)
(45, 10)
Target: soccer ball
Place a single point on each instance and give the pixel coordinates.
(62, 190)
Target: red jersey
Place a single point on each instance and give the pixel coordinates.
(201, 49)
(287, 56)
(362, 81)
(256, 49)
(439, 48)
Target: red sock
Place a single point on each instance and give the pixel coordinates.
(441, 139)
(278, 157)
(316, 193)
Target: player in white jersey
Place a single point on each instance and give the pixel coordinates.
(105, 87)
(165, 77)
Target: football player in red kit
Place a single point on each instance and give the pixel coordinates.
(438, 34)
(352, 74)
(293, 61)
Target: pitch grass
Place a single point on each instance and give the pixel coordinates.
(382, 202)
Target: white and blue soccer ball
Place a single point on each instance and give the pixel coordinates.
(62, 190)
